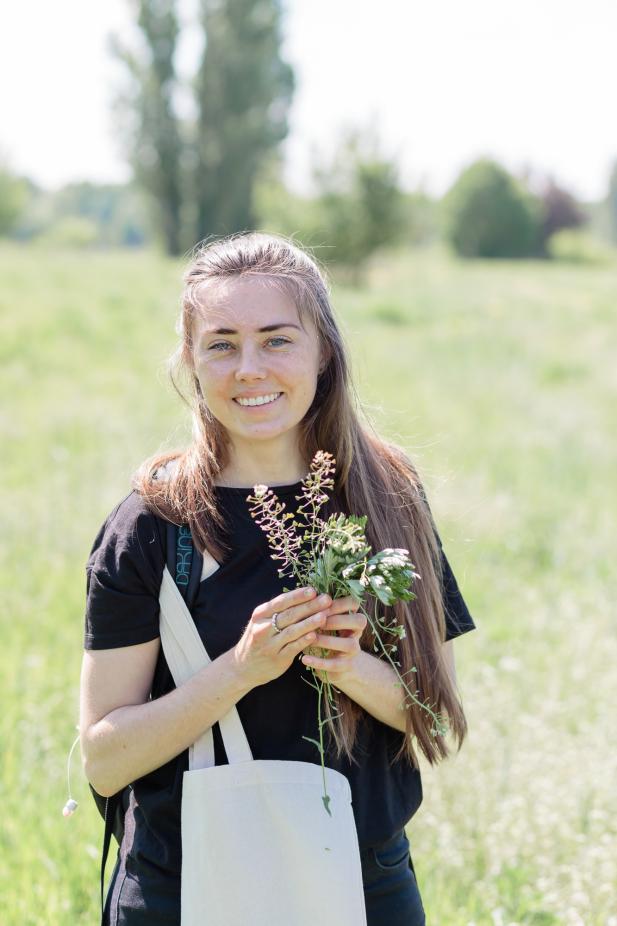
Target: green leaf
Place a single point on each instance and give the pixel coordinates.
(315, 742)
(356, 588)
(383, 591)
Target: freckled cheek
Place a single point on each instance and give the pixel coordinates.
(302, 394)
(214, 383)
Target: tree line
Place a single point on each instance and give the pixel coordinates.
(213, 166)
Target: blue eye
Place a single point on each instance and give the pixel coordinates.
(227, 344)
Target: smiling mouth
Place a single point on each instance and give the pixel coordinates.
(258, 404)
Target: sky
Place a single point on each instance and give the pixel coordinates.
(531, 83)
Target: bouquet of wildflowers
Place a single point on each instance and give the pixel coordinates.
(333, 557)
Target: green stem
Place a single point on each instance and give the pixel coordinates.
(325, 798)
(436, 717)
(321, 722)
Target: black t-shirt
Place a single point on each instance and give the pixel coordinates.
(124, 574)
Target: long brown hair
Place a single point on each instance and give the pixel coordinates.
(373, 477)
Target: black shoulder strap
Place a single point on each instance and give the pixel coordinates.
(184, 561)
(115, 809)
(185, 564)
(110, 813)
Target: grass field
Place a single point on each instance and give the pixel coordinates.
(501, 381)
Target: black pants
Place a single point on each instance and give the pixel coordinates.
(390, 891)
(390, 887)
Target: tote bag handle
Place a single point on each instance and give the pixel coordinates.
(186, 655)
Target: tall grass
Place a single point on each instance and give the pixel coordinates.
(500, 379)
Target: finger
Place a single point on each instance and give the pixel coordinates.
(326, 665)
(342, 644)
(294, 618)
(292, 608)
(340, 605)
(296, 646)
(296, 597)
(354, 622)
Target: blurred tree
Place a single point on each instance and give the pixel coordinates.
(30, 219)
(280, 210)
(559, 210)
(611, 204)
(243, 92)
(580, 246)
(115, 211)
(70, 231)
(13, 199)
(422, 222)
(488, 213)
(362, 206)
(150, 127)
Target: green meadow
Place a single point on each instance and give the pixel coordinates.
(500, 379)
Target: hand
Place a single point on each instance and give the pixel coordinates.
(262, 654)
(342, 619)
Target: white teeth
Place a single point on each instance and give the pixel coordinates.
(260, 399)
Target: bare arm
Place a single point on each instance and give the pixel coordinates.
(124, 735)
(374, 687)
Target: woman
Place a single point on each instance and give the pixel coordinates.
(269, 386)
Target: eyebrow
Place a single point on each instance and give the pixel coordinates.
(274, 327)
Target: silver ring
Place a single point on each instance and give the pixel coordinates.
(273, 622)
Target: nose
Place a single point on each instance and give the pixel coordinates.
(250, 366)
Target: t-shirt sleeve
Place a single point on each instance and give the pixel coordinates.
(458, 618)
(123, 578)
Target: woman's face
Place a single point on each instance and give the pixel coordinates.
(249, 342)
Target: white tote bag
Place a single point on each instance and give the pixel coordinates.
(258, 846)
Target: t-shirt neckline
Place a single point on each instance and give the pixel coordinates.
(248, 490)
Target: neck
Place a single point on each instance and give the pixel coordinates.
(246, 471)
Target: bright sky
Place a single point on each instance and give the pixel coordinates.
(530, 83)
